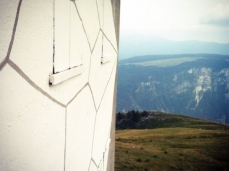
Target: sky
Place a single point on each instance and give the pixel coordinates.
(179, 20)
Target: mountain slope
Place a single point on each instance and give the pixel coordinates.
(195, 85)
(156, 119)
(176, 143)
(134, 46)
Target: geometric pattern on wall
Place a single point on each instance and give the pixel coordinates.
(56, 125)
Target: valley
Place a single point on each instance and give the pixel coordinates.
(196, 85)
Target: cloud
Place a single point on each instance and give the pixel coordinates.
(218, 16)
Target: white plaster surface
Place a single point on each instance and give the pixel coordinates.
(76, 36)
(62, 27)
(80, 126)
(100, 73)
(103, 122)
(7, 17)
(32, 127)
(33, 50)
(106, 154)
(100, 168)
(108, 50)
(109, 28)
(36, 133)
(100, 4)
(95, 73)
(90, 17)
(92, 167)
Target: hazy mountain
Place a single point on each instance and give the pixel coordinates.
(195, 85)
(135, 46)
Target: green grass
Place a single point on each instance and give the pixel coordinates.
(198, 145)
(167, 62)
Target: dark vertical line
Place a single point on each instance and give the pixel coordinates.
(102, 47)
(95, 41)
(92, 95)
(103, 14)
(115, 63)
(97, 109)
(53, 37)
(102, 28)
(98, 12)
(109, 41)
(2, 64)
(69, 58)
(66, 113)
(82, 25)
(92, 54)
(94, 125)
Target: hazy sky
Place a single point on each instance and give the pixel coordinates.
(205, 20)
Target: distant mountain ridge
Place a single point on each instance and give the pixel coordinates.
(192, 84)
(136, 46)
(156, 119)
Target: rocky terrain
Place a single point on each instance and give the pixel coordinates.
(195, 85)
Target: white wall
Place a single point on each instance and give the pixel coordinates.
(66, 126)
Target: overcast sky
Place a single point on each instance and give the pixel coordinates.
(204, 20)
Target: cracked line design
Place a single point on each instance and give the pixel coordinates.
(109, 41)
(78, 94)
(98, 12)
(92, 97)
(94, 162)
(92, 144)
(93, 129)
(89, 72)
(82, 25)
(53, 72)
(98, 109)
(28, 80)
(95, 41)
(3, 63)
(65, 143)
(107, 85)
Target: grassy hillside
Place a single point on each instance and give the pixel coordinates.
(180, 143)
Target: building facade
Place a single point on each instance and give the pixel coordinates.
(58, 68)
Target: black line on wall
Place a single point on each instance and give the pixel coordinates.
(93, 143)
(77, 93)
(3, 63)
(94, 162)
(66, 115)
(102, 29)
(92, 96)
(82, 25)
(91, 56)
(95, 41)
(53, 37)
(98, 13)
(93, 128)
(109, 41)
(98, 109)
(106, 85)
(23, 75)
